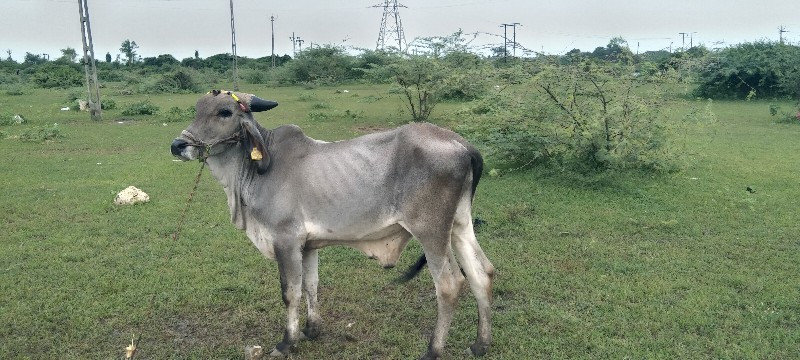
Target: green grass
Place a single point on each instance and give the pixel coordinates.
(686, 265)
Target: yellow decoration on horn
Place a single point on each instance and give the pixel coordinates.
(256, 154)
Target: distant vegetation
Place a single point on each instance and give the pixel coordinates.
(590, 111)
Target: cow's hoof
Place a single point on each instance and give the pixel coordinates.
(429, 356)
(311, 333)
(281, 350)
(478, 349)
(276, 353)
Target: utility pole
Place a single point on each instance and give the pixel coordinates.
(683, 40)
(294, 44)
(272, 19)
(390, 11)
(514, 28)
(691, 39)
(782, 30)
(505, 41)
(233, 49)
(95, 108)
(300, 43)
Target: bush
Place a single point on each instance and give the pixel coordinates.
(763, 69)
(584, 117)
(141, 108)
(319, 116)
(783, 117)
(41, 134)
(108, 104)
(325, 65)
(176, 114)
(254, 76)
(178, 81)
(56, 76)
(8, 118)
(15, 92)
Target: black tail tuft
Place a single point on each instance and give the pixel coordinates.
(413, 270)
(477, 168)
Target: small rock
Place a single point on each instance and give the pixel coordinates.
(253, 352)
(131, 195)
(18, 119)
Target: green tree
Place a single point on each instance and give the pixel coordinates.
(617, 51)
(68, 55)
(442, 69)
(160, 60)
(764, 69)
(33, 59)
(108, 57)
(324, 64)
(421, 81)
(128, 48)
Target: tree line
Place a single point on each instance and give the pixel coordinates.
(760, 69)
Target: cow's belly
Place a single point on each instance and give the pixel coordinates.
(384, 243)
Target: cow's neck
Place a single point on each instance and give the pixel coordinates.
(234, 172)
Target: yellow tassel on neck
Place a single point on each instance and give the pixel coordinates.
(255, 154)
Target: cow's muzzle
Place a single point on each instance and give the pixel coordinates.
(178, 146)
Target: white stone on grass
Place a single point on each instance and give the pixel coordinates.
(131, 195)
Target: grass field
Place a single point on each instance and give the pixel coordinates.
(684, 265)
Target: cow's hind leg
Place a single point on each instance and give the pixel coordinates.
(448, 280)
(310, 281)
(479, 272)
(290, 267)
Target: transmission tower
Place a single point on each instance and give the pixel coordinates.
(391, 27)
(89, 66)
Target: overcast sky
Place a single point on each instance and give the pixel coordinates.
(179, 27)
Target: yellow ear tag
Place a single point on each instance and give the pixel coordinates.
(256, 154)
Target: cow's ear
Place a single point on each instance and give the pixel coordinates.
(258, 104)
(256, 146)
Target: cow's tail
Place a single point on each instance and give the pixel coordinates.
(413, 270)
(477, 170)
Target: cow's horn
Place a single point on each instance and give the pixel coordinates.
(258, 104)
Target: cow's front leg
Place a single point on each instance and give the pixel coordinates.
(290, 267)
(310, 281)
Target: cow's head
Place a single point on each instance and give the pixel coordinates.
(224, 118)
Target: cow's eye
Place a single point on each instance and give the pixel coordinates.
(225, 113)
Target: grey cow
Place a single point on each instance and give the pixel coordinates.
(293, 195)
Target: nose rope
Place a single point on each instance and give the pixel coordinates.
(177, 233)
(234, 138)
